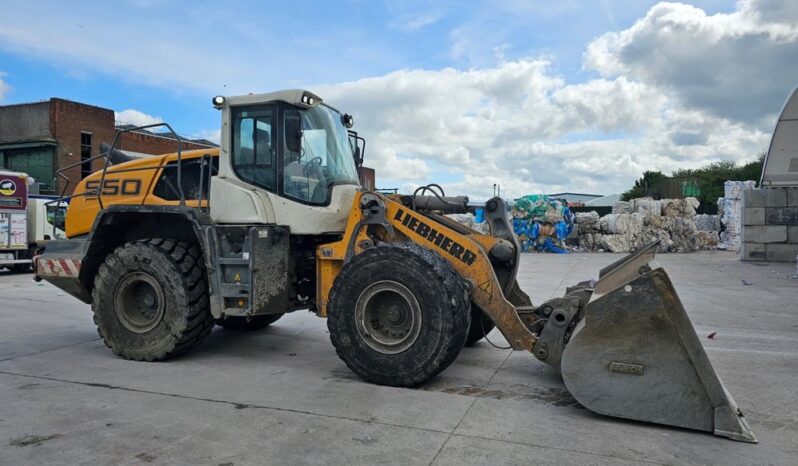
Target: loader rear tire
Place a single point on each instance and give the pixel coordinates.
(398, 314)
(481, 325)
(150, 299)
(248, 324)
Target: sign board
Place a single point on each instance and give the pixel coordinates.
(13, 211)
(13, 191)
(13, 230)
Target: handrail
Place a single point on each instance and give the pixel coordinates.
(179, 159)
(98, 192)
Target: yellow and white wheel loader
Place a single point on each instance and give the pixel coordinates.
(275, 221)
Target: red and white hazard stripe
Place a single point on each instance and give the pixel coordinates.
(57, 267)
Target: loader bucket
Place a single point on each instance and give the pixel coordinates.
(635, 355)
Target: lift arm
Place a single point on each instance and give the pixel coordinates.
(374, 217)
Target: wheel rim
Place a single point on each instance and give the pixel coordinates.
(388, 317)
(139, 302)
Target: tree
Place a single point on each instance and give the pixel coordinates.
(709, 178)
(644, 185)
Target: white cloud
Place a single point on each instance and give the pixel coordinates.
(4, 87)
(738, 65)
(137, 118)
(519, 125)
(414, 22)
(213, 135)
(677, 89)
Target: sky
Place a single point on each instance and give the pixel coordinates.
(537, 96)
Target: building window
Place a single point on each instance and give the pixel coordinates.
(85, 155)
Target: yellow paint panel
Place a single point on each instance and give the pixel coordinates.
(129, 183)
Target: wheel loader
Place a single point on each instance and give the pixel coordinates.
(164, 248)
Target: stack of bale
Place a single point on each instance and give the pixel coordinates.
(541, 223)
(708, 231)
(730, 209)
(470, 220)
(590, 234)
(639, 222)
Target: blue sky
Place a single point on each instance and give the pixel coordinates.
(166, 59)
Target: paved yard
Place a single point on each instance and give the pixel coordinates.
(281, 396)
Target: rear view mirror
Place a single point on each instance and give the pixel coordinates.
(358, 147)
(293, 132)
(358, 157)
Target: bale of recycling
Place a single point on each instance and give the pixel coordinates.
(542, 223)
(639, 222)
(622, 207)
(470, 220)
(646, 206)
(622, 223)
(706, 222)
(587, 221)
(730, 213)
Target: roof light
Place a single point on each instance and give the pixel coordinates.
(218, 101)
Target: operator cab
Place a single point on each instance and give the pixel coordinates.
(296, 151)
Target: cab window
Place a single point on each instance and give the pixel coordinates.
(193, 175)
(324, 157)
(254, 143)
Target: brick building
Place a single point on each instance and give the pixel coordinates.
(43, 137)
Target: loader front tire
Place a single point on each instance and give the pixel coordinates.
(150, 299)
(481, 325)
(248, 324)
(398, 314)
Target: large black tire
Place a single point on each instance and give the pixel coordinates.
(170, 274)
(481, 325)
(394, 272)
(248, 324)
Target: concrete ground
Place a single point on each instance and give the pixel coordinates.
(281, 396)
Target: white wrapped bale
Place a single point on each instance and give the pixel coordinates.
(622, 207)
(469, 220)
(587, 222)
(656, 222)
(649, 235)
(621, 224)
(707, 239)
(680, 226)
(617, 243)
(646, 206)
(705, 222)
(683, 243)
(590, 241)
(679, 207)
(734, 189)
(730, 211)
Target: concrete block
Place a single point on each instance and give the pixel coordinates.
(792, 234)
(754, 198)
(776, 197)
(792, 197)
(765, 234)
(781, 252)
(754, 216)
(781, 216)
(753, 252)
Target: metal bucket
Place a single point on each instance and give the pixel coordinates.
(635, 355)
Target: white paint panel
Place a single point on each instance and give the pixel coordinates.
(781, 162)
